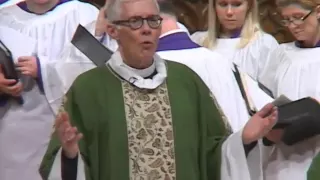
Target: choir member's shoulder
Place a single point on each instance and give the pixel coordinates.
(266, 40)
(199, 36)
(181, 73)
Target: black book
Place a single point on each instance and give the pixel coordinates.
(300, 119)
(8, 68)
(90, 46)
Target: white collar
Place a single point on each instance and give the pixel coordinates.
(132, 76)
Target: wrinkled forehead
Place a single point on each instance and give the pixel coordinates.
(142, 8)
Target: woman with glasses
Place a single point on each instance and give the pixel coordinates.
(294, 71)
(234, 32)
(298, 62)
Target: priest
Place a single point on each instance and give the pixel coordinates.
(141, 117)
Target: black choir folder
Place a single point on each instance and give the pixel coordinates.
(8, 68)
(300, 119)
(90, 46)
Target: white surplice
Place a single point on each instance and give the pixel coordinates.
(293, 72)
(52, 30)
(216, 73)
(24, 129)
(251, 58)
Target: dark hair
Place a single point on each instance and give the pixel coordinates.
(166, 7)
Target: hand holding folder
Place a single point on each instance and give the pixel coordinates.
(8, 71)
(299, 119)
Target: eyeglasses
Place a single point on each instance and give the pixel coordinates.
(135, 23)
(295, 21)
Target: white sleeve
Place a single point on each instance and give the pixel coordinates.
(234, 163)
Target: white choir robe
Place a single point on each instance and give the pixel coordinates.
(216, 73)
(214, 70)
(24, 129)
(251, 58)
(293, 72)
(52, 30)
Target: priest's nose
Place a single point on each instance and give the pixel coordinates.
(145, 29)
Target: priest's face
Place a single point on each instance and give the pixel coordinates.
(138, 32)
(231, 14)
(302, 23)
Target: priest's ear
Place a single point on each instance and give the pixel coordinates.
(112, 30)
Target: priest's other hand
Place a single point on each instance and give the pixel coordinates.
(260, 124)
(9, 86)
(68, 135)
(27, 65)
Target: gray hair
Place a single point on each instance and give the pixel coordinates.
(113, 8)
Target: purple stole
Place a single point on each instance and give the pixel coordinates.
(299, 44)
(176, 41)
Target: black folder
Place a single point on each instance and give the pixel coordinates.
(300, 119)
(8, 68)
(237, 76)
(90, 46)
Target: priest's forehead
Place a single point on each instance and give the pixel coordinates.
(143, 8)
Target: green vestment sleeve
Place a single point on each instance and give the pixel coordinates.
(50, 157)
(215, 129)
(314, 170)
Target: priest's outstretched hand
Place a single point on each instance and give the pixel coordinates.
(9, 86)
(68, 135)
(260, 124)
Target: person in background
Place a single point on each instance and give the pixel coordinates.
(141, 117)
(51, 22)
(25, 129)
(27, 119)
(176, 45)
(293, 71)
(234, 31)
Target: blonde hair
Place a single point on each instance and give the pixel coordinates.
(307, 4)
(249, 29)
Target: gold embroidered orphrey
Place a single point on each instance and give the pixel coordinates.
(150, 133)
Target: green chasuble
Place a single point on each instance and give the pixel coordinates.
(314, 170)
(174, 132)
